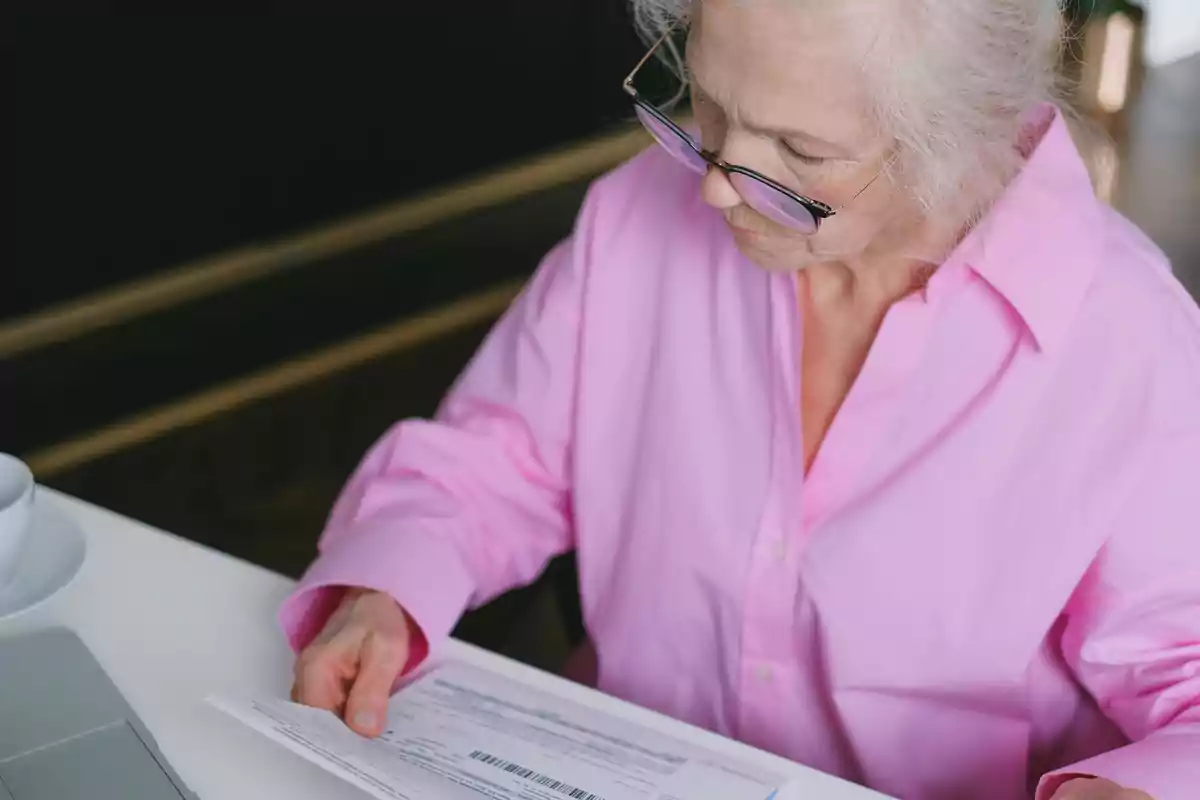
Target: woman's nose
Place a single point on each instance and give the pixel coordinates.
(718, 192)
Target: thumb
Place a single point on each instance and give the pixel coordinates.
(380, 662)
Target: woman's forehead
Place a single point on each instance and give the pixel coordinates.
(782, 64)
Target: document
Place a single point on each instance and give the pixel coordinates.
(460, 732)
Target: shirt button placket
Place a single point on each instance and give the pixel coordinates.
(766, 621)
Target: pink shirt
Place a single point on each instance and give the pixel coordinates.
(991, 571)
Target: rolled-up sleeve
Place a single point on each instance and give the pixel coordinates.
(1133, 631)
(446, 514)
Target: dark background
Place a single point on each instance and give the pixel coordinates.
(142, 141)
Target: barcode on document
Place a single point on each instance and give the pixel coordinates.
(535, 777)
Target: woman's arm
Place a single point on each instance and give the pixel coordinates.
(1133, 630)
(446, 514)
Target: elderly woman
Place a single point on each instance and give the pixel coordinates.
(876, 434)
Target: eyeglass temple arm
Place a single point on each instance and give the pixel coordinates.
(629, 79)
(870, 183)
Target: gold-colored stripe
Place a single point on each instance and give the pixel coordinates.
(211, 275)
(145, 426)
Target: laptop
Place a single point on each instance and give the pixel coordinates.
(66, 733)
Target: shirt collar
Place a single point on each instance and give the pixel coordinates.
(1038, 245)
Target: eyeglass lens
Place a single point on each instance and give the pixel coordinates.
(763, 198)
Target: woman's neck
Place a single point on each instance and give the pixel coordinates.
(893, 268)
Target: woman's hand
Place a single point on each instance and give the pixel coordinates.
(1096, 789)
(353, 663)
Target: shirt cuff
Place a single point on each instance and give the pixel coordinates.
(1165, 765)
(419, 568)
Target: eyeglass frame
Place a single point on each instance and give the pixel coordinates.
(820, 211)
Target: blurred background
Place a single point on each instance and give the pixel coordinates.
(242, 246)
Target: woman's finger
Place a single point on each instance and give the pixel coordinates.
(319, 679)
(381, 660)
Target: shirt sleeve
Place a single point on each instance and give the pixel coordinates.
(1133, 632)
(448, 513)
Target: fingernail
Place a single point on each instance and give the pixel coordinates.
(365, 720)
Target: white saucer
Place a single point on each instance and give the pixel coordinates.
(52, 556)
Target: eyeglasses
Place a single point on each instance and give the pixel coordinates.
(769, 198)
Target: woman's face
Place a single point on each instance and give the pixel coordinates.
(775, 88)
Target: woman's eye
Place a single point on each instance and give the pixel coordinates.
(801, 155)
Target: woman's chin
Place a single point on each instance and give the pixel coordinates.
(772, 252)
(774, 259)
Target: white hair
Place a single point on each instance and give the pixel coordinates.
(949, 81)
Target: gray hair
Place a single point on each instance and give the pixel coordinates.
(949, 81)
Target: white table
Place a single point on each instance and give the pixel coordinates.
(173, 622)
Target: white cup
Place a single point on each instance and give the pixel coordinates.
(16, 513)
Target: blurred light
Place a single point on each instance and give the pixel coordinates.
(1112, 89)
